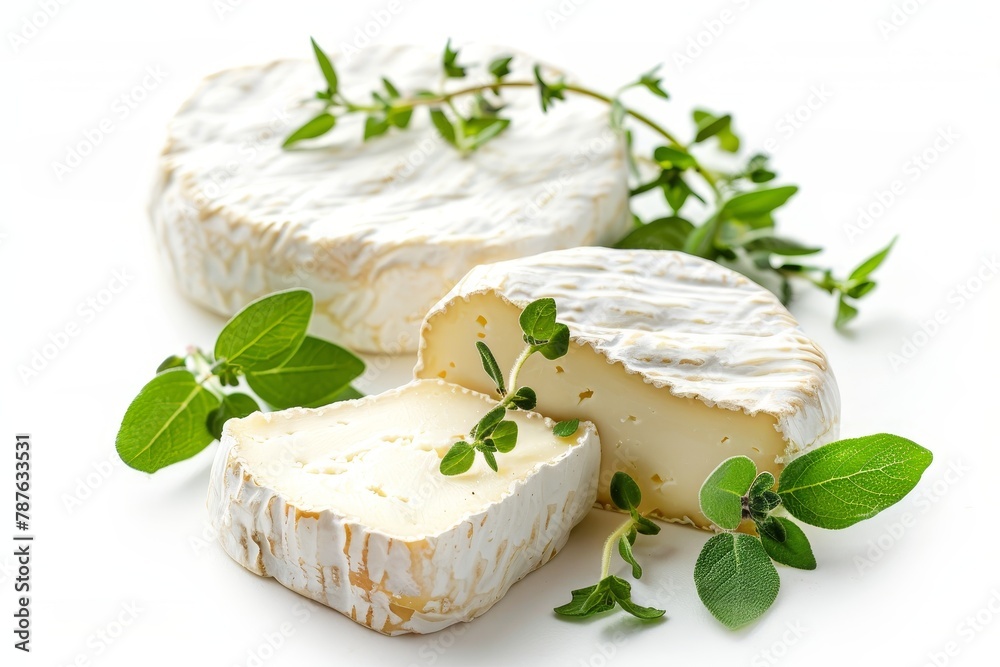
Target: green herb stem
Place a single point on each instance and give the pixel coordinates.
(609, 547)
(447, 98)
(514, 372)
(203, 372)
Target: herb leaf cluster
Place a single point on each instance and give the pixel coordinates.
(184, 407)
(611, 590)
(723, 215)
(834, 486)
(493, 434)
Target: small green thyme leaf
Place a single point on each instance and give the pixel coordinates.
(524, 398)
(565, 429)
(491, 459)
(622, 592)
(548, 92)
(794, 551)
(480, 130)
(758, 202)
(652, 83)
(459, 459)
(771, 528)
(625, 551)
(644, 525)
(489, 422)
(449, 61)
(764, 502)
(375, 126)
(491, 366)
(500, 67)
(444, 126)
(315, 127)
(662, 234)
(589, 601)
(669, 158)
(866, 267)
(625, 493)
(325, 66)
(504, 436)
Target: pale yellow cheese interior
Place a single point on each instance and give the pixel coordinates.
(669, 445)
(377, 460)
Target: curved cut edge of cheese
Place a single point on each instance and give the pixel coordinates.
(403, 583)
(680, 363)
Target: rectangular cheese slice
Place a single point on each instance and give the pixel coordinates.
(680, 363)
(345, 504)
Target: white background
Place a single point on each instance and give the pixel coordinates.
(114, 543)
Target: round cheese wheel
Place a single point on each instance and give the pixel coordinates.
(378, 230)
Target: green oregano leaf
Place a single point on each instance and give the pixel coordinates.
(166, 422)
(538, 321)
(721, 495)
(772, 528)
(233, 406)
(317, 372)
(763, 482)
(558, 344)
(267, 332)
(173, 361)
(662, 234)
(839, 484)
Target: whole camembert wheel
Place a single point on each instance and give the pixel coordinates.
(378, 230)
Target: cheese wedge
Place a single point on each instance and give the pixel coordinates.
(680, 363)
(379, 230)
(345, 504)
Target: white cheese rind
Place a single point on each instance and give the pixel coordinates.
(679, 362)
(378, 230)
(400, 580)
